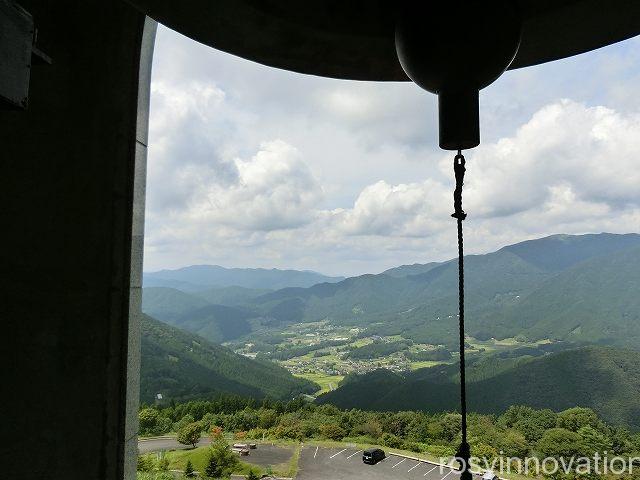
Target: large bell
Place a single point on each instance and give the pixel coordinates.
(356, 39)
(454, 49)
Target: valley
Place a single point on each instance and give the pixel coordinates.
(328, 353)
(565, 307)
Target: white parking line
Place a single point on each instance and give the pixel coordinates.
(399, 463)
(316, 452)
(430, 471)
(336, 454)
(359, 451)
(416, 465)
(450, 472)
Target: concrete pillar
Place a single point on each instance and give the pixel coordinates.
(71, 215)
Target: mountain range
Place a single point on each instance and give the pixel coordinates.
(581, 288)
(196, 278)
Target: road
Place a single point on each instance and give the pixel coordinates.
(265, 455)
(165, 443)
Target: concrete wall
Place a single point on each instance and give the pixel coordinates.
(68, 231)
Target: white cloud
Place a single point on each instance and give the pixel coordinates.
(409, 210)
(252, 166)
(588, 151)
(274, 190)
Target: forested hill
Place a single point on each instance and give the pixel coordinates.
(602, 378)
(200, 277)
(193, 312)
(580, 288)
(181, 365)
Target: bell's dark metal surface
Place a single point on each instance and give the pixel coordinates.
(449, 47)
(454, 49)
(355, 39)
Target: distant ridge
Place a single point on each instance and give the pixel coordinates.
(200, 277)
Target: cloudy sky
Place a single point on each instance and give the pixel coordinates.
(251, 166)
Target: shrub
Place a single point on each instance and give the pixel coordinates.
(414, 447)
(390, 440)
(163, 462)
(257, 433)
(441, 450)
(332, 431)
(252, 475)
(145, 463)
(215, 432)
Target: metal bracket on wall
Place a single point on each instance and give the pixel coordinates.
(18, 51)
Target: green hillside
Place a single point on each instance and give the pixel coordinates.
(602, 378)
(230, 296)
(169, 304)
(578, 288)
(216, 323)
(594, 301)
(178, 364)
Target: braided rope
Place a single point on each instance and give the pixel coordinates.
(464, 451)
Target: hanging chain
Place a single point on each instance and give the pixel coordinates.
(464, 451)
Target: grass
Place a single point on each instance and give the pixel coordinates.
(199, 456)
(425, 364)
(325, 381)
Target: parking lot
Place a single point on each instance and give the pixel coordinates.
(346, 464)
(268, 455)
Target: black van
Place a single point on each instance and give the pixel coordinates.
(373, 456)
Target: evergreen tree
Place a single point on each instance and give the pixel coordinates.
(212, 469)
(188, 469)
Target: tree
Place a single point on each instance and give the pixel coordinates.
(451, 426)
(147, 417)
(575, 418)
(190, 434)
(560, 442)
(212, 469)
(514, 444)
(188, 469)
(222, 461)
(594, 441)
(187, 419)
